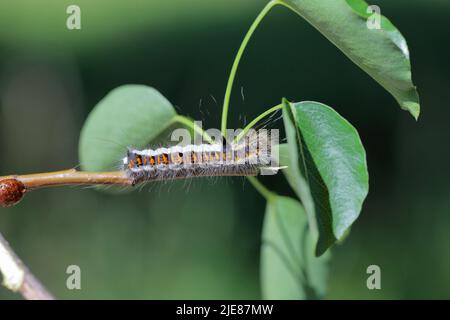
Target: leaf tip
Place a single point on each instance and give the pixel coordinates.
(413, 108)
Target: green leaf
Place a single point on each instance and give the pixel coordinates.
(382, 53)
(289, 268)
(328, 169)
(129, 116)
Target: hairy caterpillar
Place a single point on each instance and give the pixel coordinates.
(244, 158)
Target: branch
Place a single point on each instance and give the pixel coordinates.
(17, 277)
(14, 187)
(71, 176)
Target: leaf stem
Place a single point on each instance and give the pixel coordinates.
(191, 124)
(237, 59)
(256, 120)
(266, 193)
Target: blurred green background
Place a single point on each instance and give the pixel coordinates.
(200, 239)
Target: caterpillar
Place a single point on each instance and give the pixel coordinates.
(244, 158)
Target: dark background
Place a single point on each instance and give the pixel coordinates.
(201, 239)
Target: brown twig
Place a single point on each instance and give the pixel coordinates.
(17, 277)
(14, 187)
(71, 176)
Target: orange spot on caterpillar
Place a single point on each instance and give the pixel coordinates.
(162, 159)
(165, 158)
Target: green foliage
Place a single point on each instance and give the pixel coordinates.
(326, 160)
(328, 165)
(130, 115)
(382, 53)
(289, 268)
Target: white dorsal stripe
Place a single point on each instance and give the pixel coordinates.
(179, 149)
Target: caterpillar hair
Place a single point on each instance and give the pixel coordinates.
(244, 158)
